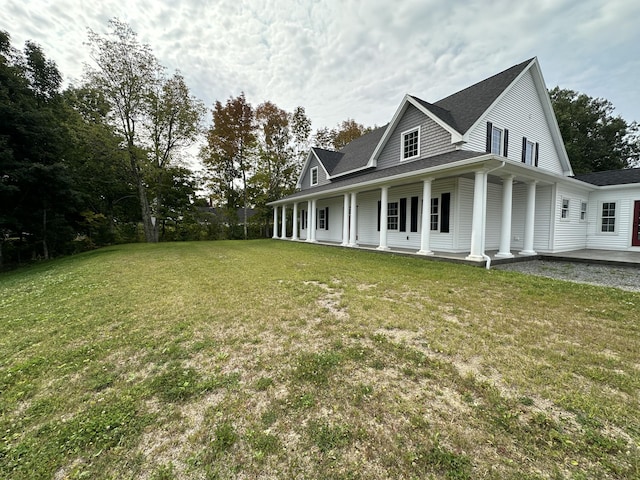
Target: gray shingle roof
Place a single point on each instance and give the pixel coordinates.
(406, 167)
(462, 109)
(356, 154)
(329, 158)
(611, 177)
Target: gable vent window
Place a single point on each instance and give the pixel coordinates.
(314, 176)
(411, 144)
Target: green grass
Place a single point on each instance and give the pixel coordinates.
(271, 359)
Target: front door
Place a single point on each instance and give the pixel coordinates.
(635, 240)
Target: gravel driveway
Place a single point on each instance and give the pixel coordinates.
(625, 278)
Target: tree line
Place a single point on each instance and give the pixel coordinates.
(105, 161)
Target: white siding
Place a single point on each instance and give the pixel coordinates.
(621, 238)
(367, 224)
(434, 139)
(464, 217)
(543, 216)
(334, 233)
(520, 111)
(569, 233)
(493, 226)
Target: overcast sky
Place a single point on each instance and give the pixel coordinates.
(353, 59)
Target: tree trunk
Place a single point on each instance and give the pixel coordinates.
(45, 248)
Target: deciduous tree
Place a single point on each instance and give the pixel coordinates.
(156, 116)
(594, 138)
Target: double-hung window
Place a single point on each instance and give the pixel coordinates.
(314, 176)
(608, 224)
(583, 211)
(564, 213)
(434, 214)
(392, 216)
(529, 150)
(411, 144)
(321, 219)
(496, 140)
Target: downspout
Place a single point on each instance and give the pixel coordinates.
(484, 216)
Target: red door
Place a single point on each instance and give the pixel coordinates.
(635, 240)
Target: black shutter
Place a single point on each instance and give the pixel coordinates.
(536, 158)
(506, 142)
(326, 218)
(403, 214)
(445, 208)
(489, 130)
(379, 212)
(524, 149)
(316, 217)
(414, 214)
(301, 219)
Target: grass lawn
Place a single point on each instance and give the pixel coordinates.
(272, 359)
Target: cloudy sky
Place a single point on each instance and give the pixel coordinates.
(353, 59)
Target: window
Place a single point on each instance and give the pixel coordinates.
(529, 152)
(434, 214)
(564, 213)
(321, 219)
(496, 140)
(411, 144)
(314, 176)
(608, 217)
(392, 216)
(583, 211)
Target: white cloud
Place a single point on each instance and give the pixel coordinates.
(353, 59)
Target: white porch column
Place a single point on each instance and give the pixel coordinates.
(507, 204)
(275, 222)
(284, 222)
(345, 220)
(529, 221)
(354, 212)
(479, 209)
(384, 202)
(294, 235)
(312, 213)
(425, 235)
(308, 224)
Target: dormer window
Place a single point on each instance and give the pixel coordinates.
(411, 144)
(314, 176)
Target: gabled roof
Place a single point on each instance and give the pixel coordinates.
(611, 177)
(328, 158)
(465, 107)
(356, 154)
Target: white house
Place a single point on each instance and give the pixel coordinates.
(484, 169)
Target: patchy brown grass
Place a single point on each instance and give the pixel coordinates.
(272, 359)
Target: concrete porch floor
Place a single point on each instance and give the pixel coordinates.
(603, 257)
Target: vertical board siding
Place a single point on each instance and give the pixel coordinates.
(520, 111)
(465, 214)
(434, 139)
(368, 218)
